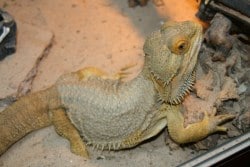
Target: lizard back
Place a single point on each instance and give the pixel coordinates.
(107, 110)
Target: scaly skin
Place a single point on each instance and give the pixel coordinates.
(111, 114)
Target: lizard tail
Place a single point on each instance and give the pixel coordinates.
(29, 113)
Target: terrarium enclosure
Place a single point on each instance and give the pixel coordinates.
(56, 37)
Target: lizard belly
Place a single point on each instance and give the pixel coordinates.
(103, 113)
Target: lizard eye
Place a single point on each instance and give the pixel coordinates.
(179, 46)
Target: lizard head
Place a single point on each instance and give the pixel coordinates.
(171, 55)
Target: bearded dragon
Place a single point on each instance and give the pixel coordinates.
(90, 107)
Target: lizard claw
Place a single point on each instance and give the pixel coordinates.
(195, 131)
(124, 73)
(79, 148)
(214, 122)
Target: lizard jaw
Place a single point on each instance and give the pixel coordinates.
(184, 89)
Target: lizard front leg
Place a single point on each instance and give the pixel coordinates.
(195, 131)
(66, 129)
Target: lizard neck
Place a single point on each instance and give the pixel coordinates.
(161, 90)
(141, 82)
